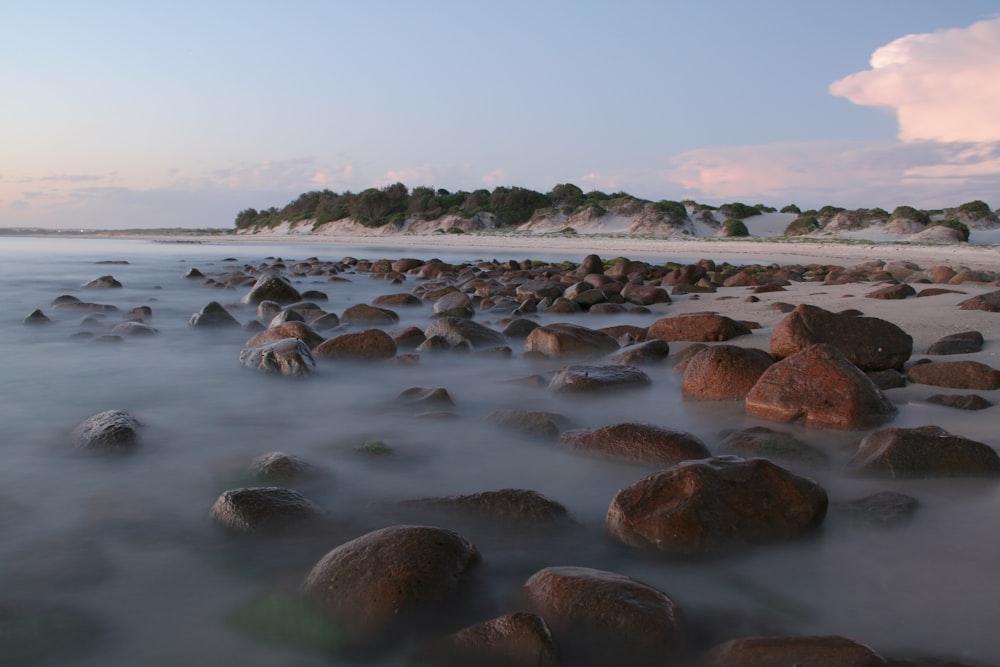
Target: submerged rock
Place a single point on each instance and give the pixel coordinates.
(109, 431)
(104, 282)
(213, 315)
(582, 378)
(263, 510)
(927, 451)
(641, 443)
(799, 651)
(515, 640)
(288, 356)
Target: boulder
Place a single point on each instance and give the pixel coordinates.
(529, 422)
(819, 387)
(403, 299)
(458, 331)
(569, 340)
(870, 343)
(373, 587)
(515, 640)
(582, 378)
(104, 282)
(368, 345)
(886, 508)
(288, 356)
(213, 315)
(823, 651)
(264, 510)
(990, 302)
(454, 304)
(723, 373)
(926, 451)
(898, 291)
(511, 505)
(960, 401)
(280, 468)
(956, 375)
(605, 618)
(640, 443)
(965, 342)
(644, 295)
(364, 314)
(300, 330)
(37, 317)
(130, 328)
(760, 441)
(270, 287)
(697, 327)
(108, 431)
(713, 505)
(519, 328)
(640, 354)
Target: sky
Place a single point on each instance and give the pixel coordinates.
(181, 114)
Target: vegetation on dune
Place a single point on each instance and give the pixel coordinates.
(803, 224)
(735, 227)
(961, 227)
(910, 213)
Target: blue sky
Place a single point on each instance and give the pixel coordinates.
(124, 114)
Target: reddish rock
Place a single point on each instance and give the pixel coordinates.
(407, 338)
(639, 354)
(703, 327)
(927, 451)
(870, 343)
(640, 443)
(723, 373)
(371, 344)
(373, 587)
(569, 340)
(938, 291)
(714, 505)
(288, 356)
(625, 334)
(515, 640)
(956, 375)
(685, 275)
(581, 378)
(989, 302)
(819, 387)
(458, 331)
(770, 444)
(272, 288)
(829, 651)
(644, 295)
(397, 300)
(898, 291)
(263, 510)
(362, 313)
(512, 505)
(454, 304)
(965, 342)
(604, 618)
(960, 402)
(299, 330)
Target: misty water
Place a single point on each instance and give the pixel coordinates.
(127, 541)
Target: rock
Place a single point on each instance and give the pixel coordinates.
(280, 468)
(723, 373)
(927, 451)
(965, 342)
(956, 375)
(581, 378)
(194, 273)
(515, 640)
(288, 356)
(640, 443)
(886, 508)
(368, 345)
(373, 587)
(828, 651)
(364, 314)
(539, 288)
(605, 618)
(640, 354)
(37, 317)
(644, 295)
(271, 287)
(714, 505)
(887, 379)
(569, 340)
(760, 441)
(404, 300)
(870, 343)
(285, 316)
(508, 505)
(938, 291)
(519, 328)
(263, 510)
(458, 331)
(990, 302)
(299, 330)
(104, 282)
(419, 396)
(108, 431)
(698, 327)
(140, 314)
(899, 291)
(130, 328)
(960, 402)
(213, 315)
(529, 422)
(454, 304)
(819, 387)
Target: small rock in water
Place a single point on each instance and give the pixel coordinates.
(288, 356)
(961, 402)
(583, 378)
(103, 282)
(263, 510)
(37, 317)
(111, 430)
(879, 509)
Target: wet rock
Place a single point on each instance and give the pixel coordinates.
(781, 447)
(825, 651)
(714, 505)
(965, 342)
(281, 468)
(640, 443)
(454, 304)
(626, 334)
(326, 322)
(83, 306)
(457, 331)
(870, 343)
(104, 282)
(194, 273)
(364, 314)
(515, 640)
(437, 397)
(723, 373)
(644, 295)
(956, 375)
(539, 288)
(886, 508)
(213, 315)
(108, 431)
(288, 356)
(140, 314)
(519, 328)
(938, 291)
(285, 316)
(900, 291)
(534, 423)
(640, 354)
(960, 402)
(697, 327)
(130, 328)
(569, 340)
(270, 287)
(407, 338)
(368, 345)
(507, 505)
(298, 330)
(403, 300)
(926, 451)
(887, 379)
(263, 510)
(37, 317)
(583, 378)
(819, 387)
(989, 302)
(373, 587)
(605, 618)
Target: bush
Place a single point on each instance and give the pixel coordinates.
(961, 227)
(803, 224)
(829, 211)
(791, 208)
(672, 209)
(738, 210)
(764, 209)
(910, 213)
(736, 228)
(976, 210)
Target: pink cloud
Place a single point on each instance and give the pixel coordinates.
(943, 86)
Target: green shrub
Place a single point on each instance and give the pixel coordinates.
(829, 211)
(672, 209)
(735, 227)
(802, 225)
(791, 208)
(962, 228)
(910, 213)
(976, 209)
(764, 209)
(456, 230)
(738, 210)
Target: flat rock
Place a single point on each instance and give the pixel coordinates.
(886, 508)
(368, 345)
(697, 327)
(364, 314)
(960, 401)
(926, 451)
(459, 331)
(956, 375)
(641, 443)
(585, 378)
(569, 340)
(965, 342)
(299, 330)
(989, 302)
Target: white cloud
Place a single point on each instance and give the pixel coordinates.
(943, 86)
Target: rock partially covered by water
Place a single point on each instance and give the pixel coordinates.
(299, 330)
(367, 345)
(263, 510)
(640, 443)
(770, 444)
(818, 387)
(373, 587)
(109, 431)
(513, 505)
(955, 375)
(697, 327)
(960, 401)
(569, 340)
(870, 343)
(270, 287)
(131, 328)
(529, 422)
(800, 651)
(583, 378)
(927, 451)
(886, 508)
(605, 618)
(37, 317)
(288, 356)
(724, 372)
(281, 468)
(515, 640)
(713, 505)
(213, 315)
(104, 282)
(460, 332)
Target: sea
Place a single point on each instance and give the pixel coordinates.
(116, 561)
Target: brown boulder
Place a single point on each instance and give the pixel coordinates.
(582, 378)
(454, 304)
(263, 510)
(965, 342)
(927, 451)
(828, 651)
(370, 344)
(989, 302)
(713, 505)
(362, 313)
(701, 327)
(404, 299)
(517, 505)
(515, 640)
(272, 288)
(213, 315)
(640, 443)
(898, 291)
(960, 401)
(528, 422)
(870, 343)
(723, 373)
(569, 340)
(372, 587)
(770, 444)
(458, 332)
(644, 295)
(288, 356)
(300, 330)
(956, 375)
(604, 618)
(818, 387)
(639, 354)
